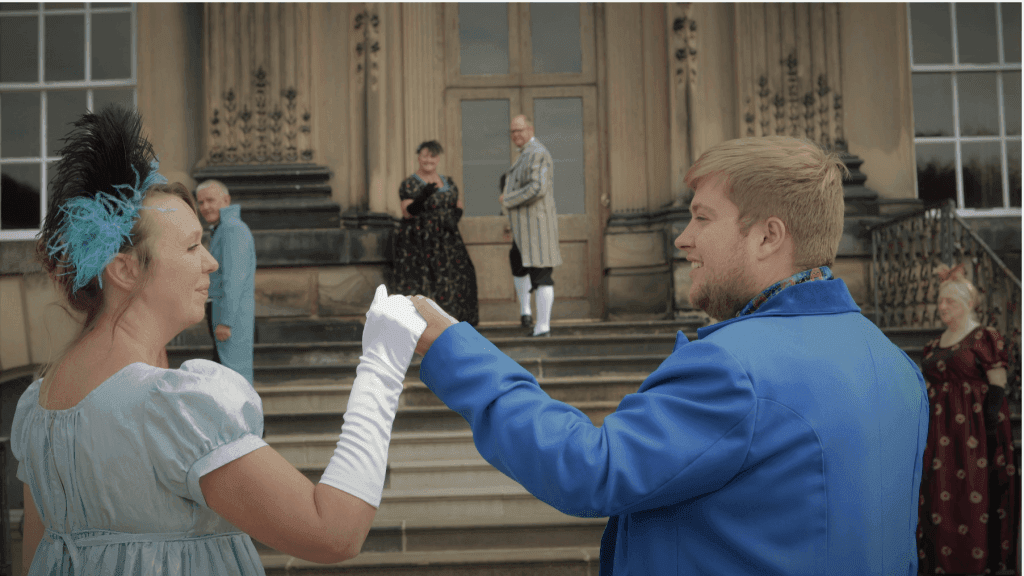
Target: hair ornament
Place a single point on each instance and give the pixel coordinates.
(956, 273)
(93, 229)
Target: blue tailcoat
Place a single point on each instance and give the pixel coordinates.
(788, 441)
(233, 289)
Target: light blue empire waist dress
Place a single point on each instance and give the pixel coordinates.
(116, 477)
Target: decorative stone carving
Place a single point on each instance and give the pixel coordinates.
(682, 47)
(799, 91)
(258, 85)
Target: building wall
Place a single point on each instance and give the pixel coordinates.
(671, 84)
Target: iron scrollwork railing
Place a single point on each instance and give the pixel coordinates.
(907, 250)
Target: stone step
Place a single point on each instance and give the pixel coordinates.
(482, 504)
(328, 395)
(416, 418)
(453, 534)
(283, 330)
(569, 561)
(326, 353)
(314, 450)
(290, 213)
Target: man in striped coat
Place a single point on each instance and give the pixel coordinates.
(529, 198)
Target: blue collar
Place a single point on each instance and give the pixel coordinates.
(805, 299)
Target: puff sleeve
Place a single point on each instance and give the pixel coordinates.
(990, 349)
(198, 419)
(26, 411)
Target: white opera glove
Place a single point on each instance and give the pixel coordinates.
(393, 327)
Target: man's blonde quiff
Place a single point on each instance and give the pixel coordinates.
(789, 178)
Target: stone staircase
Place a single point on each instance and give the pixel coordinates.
(445, 510)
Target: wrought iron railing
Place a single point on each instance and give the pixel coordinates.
(905, 253)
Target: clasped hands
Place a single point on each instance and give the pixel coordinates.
(396, 326)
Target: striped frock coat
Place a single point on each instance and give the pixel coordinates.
(530, 203)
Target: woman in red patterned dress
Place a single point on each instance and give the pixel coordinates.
(970, 494)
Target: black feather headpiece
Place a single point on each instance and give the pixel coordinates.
(106, 166)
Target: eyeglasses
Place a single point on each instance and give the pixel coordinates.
(517, 131)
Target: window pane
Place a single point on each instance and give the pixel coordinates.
(19, 124)
(19, 49)
(933, 104)
(111, 5)
(65, 48)
(1011, 31)
(17, 6)
(111, 46)
(983, 176)
(559, 126)
(936, 172)
(64, 5)
(485, 153)
(931, 30)
(1013, 158)
(101, 98)
(62, 108)
(19, 196)
(555, 38)
(483, 38)
(976, 33)
(979, 108)
(1011, 102)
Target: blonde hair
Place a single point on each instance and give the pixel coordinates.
(789, 178)
(962, 289)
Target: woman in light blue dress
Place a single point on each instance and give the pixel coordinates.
(134, 469)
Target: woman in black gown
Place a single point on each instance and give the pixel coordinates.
(429, 256)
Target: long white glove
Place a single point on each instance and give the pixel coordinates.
(393, 326)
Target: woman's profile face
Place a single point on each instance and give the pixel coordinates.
(180, 266)
(428, 162)
(951, 309)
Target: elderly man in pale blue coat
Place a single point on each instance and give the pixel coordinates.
(233, 285)
(785, 441)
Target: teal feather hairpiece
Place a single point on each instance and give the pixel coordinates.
(93, 229)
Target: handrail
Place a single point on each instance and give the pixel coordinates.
(905, 252)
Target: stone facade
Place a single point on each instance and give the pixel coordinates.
(349, 90)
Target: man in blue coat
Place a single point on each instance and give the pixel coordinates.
(231, 309)
(786, 440)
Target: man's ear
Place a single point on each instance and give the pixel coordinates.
(772, 233)
(123, 271)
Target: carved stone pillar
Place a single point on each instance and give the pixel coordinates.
(789, 75)
(258, 89)
(682, 53)
(423, 68)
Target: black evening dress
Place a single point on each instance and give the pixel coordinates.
(429, 256)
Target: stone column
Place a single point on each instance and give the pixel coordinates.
(789, 76)
(258, 86)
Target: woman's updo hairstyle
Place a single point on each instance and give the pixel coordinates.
(432, 146)
(954, 281)
(104, 153)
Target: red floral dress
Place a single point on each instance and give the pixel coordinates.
(970, 493)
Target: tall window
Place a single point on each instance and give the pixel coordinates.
(966, 65)
(56, 62)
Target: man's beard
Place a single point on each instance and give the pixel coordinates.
(723, 299)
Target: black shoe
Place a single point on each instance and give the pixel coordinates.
(541, 335)
(526, 320)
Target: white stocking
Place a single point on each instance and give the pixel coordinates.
(545, 298)
(523, 291)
